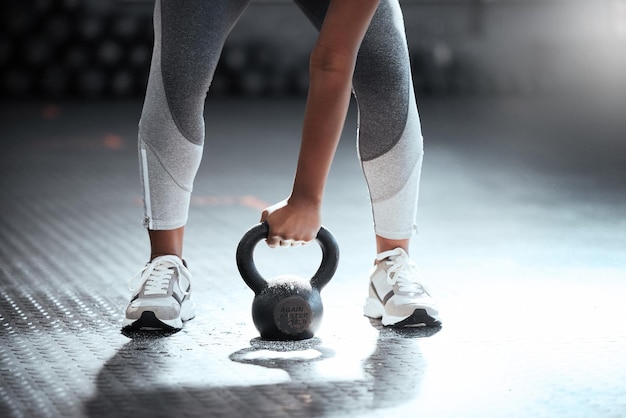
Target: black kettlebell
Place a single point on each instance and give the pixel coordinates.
(287, 307)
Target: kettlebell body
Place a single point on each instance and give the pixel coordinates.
(286, 307)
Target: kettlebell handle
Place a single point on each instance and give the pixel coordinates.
(251, 275)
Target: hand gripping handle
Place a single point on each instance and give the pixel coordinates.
(252, 277)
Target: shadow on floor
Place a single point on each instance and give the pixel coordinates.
(391, 377)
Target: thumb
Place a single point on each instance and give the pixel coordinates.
(264, 215)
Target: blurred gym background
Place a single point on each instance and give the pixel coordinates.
(57, 49)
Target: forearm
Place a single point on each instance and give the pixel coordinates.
(326, 109)
(331, 69)
(298, 219)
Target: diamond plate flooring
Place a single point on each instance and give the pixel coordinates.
(522, 240)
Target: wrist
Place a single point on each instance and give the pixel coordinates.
(305, 200)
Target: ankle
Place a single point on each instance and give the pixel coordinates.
(386, 244)
(155, 255)
(166, 242)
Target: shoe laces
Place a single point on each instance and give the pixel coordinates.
(155, 277)
(401, 271)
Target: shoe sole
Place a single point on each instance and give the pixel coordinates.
(421, 316)
(148, 321)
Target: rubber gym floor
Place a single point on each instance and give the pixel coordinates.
(521, 240)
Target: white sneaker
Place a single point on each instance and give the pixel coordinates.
(161, 296)
(396, 296)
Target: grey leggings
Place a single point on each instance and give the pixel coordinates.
(189, 36)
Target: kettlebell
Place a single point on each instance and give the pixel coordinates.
(286, 307)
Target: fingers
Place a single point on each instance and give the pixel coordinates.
(273, 241)
(292, 243)
(277, 241)
(286, 238)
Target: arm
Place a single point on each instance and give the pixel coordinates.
(331, 68)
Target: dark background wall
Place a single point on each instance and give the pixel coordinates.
(101, 48)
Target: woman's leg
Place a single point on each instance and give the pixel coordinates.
(189, 37)
(390, 137)
(188, 40)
